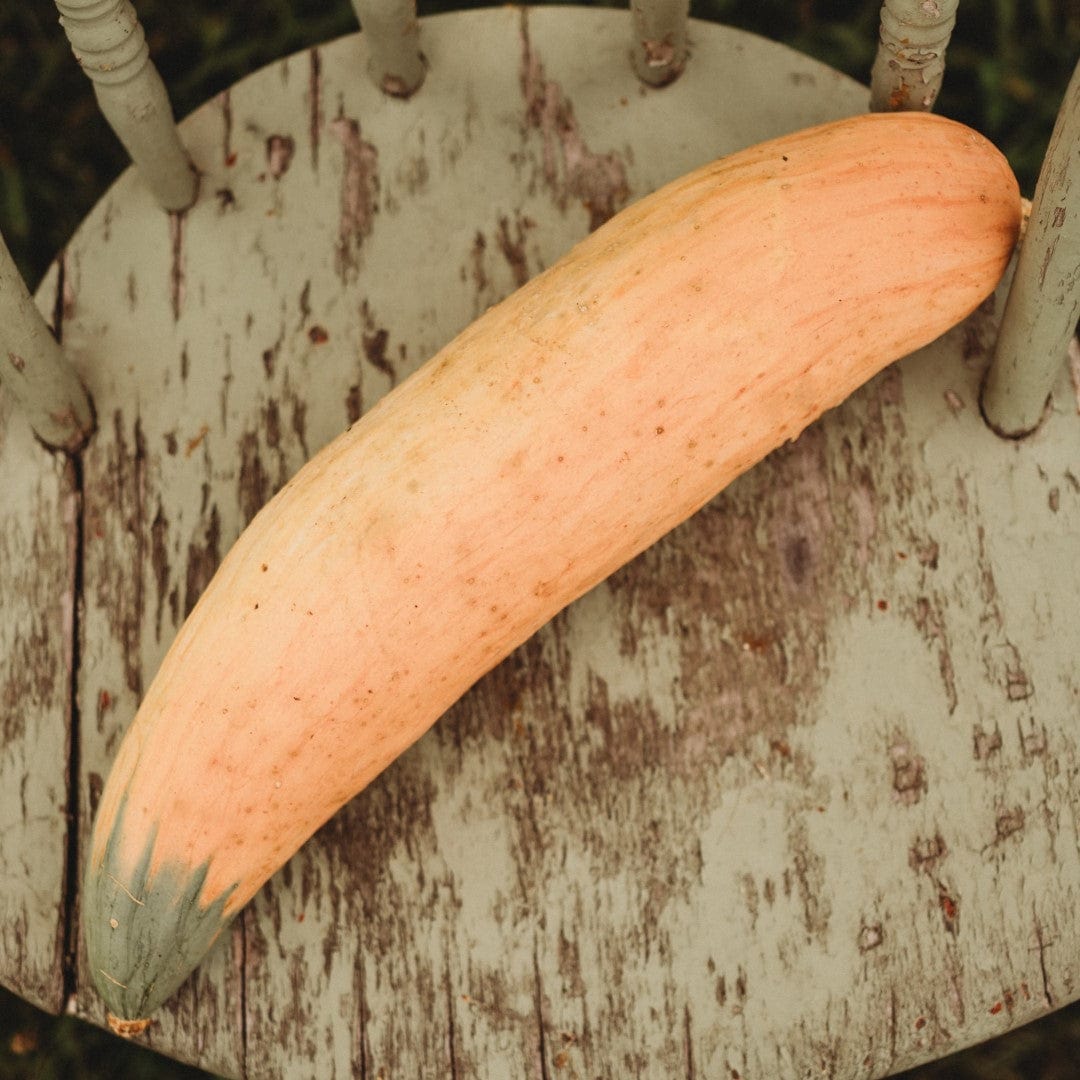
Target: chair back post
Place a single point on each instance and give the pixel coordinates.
(1041, 312)
(659, 44)
(33, 368)
(910, 62)
(393, 39)
(110, 46)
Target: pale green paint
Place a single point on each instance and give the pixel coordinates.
(392, 33)
(1043, 307)
(33, 368)
(659, 39)
(37, 515)
(490, 887)
(110, 46)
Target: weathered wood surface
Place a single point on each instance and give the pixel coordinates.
(794, 794)
(38, 536)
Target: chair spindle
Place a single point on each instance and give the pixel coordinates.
(1044, 301)
(110, 46)
(910, 62)
(393, 36)
(33, 368)
(659, 47)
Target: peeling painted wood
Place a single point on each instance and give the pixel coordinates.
(793, 793)
(909, 66)
(38, 509)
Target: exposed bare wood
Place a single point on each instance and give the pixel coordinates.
(792, 794)
(38, 536)
(909, 66)
(392, 35)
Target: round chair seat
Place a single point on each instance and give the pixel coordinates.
(793, 794)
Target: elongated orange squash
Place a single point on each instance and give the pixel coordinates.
(567, 429)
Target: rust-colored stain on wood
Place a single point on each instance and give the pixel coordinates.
(780, 789)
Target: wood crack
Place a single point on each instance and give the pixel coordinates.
(539, 996)
(451, 1033)
(691, 1074)
(365, 1018)
(69, 945)
(1043, 945)
(244, 1070)
(314, 104)
(227, 155)
(58, 300)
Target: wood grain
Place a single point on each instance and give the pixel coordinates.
(38, 537)
(795, 793)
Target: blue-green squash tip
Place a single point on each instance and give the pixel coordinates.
(145, 934)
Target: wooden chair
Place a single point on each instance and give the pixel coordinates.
(794, 794)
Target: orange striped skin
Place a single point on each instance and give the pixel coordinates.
(566, 430)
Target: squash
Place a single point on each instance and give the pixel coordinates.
(567, 429)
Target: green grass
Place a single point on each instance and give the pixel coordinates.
(1008, 66)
